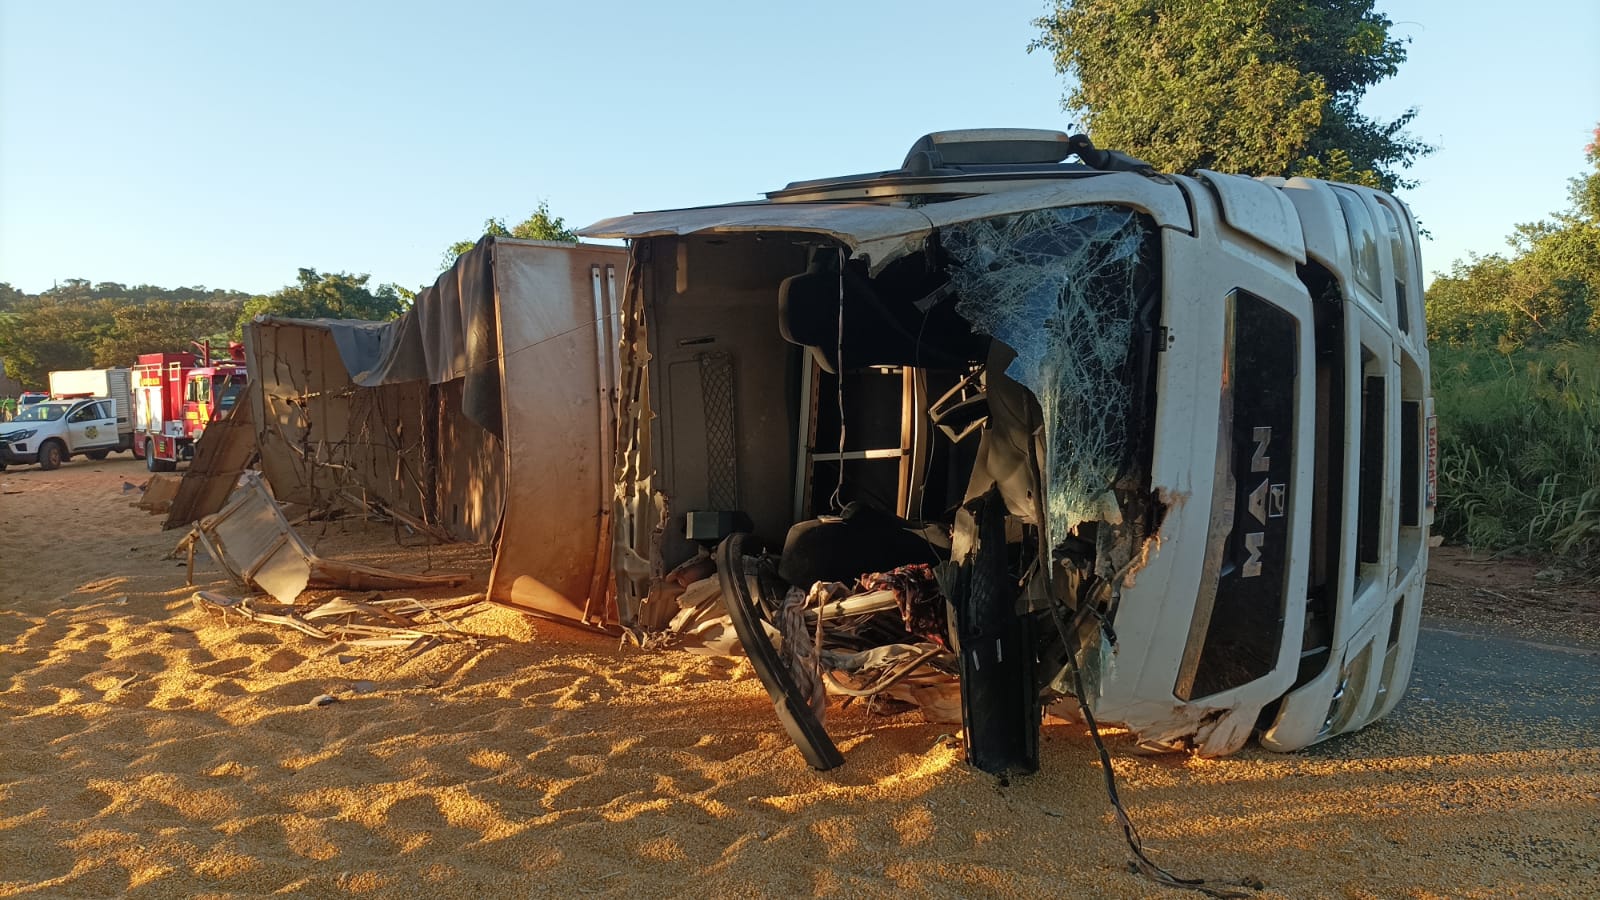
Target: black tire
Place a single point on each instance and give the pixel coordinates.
(98, 455)
(741, 597)
(51, 455)
(153, 464)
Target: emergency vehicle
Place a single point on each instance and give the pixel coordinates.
(176, 395)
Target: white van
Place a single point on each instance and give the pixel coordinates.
(1036, 428)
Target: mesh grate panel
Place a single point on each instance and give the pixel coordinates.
(716, 396)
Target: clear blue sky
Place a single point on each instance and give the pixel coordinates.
(226, 145)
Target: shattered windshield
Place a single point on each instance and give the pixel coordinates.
(42, 412)
(1058, 287)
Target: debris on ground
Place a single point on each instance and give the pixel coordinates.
(371, 623)
(254, 544)
(159, 492)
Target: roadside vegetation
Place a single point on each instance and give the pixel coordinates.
(1519, 449)
(1516, 381)
(79, 324)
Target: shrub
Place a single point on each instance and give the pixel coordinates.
(1519, 449)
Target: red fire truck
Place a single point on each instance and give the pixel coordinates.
(175, 395)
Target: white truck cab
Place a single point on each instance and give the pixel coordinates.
(51, 432)
(1037, 428)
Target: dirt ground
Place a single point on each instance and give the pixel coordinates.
(150, 749)
(1514, 594)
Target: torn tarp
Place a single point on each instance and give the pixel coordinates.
(450, 332)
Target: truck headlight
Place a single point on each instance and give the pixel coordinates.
(20, 435)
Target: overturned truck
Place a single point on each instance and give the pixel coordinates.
(984, 432)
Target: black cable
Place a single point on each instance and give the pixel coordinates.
(1141, 864)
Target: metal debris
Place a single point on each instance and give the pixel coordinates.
(374, 623)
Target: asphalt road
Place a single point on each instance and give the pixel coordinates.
(1468, 668)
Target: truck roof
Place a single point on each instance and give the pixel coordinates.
(966, 162)
(947, 176)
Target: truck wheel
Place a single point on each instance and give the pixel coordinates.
(98, 455)
(153, 464)
(51, 455)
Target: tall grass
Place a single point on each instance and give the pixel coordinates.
(1519, 449)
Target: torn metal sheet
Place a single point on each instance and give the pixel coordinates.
(881, 233)
(870, 230)
(159, 492)
(250, 539)
(220, 456)
(374, 623)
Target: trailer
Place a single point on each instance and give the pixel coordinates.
(175, 396)
(114, 384)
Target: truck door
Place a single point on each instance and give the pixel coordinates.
(225, 393)
(197, 409)
(91, 426)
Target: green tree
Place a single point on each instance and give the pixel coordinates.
(541, 226)
(42, 335)
(1265, 87)
(9, 296)
(336, 295)
(78, 323)
(1545, 291)
(159, 325)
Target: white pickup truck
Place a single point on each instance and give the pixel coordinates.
(51, 432)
